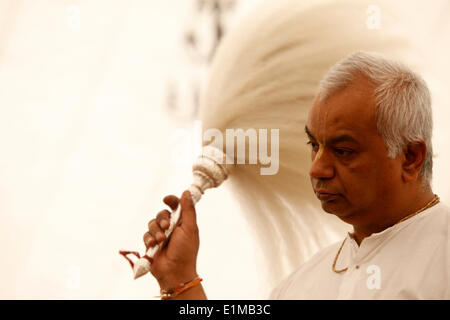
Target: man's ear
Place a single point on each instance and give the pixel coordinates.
(413, 159)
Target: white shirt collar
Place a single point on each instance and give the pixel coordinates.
(352, 254)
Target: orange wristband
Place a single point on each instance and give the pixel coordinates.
(182, 287)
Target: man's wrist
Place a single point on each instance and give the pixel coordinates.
(170, 282)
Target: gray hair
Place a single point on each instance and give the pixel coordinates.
(403, 100)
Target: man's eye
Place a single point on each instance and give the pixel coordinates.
(313, 145)
(343, 152)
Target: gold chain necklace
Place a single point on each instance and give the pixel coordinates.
(434, 201)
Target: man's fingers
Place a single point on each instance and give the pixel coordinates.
(157, 227)
(163, 219)
(149, 241)
(188, 213)
(171, 201)
(156, 231)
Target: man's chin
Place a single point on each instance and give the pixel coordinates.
(341, 210)
(335, 206)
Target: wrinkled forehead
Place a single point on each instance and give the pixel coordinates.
(352, 109)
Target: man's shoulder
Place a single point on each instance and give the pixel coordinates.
(439, 217)
(443, 207)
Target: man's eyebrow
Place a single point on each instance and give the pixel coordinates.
(341, 138)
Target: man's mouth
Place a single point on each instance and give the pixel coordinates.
(325, 195)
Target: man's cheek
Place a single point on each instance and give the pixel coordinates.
(354, 184)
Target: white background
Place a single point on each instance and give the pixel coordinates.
(85, 147)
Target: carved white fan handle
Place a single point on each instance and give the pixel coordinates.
(209, 172)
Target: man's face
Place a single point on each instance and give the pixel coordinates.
(350, 172)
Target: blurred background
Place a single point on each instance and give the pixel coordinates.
(98, 101)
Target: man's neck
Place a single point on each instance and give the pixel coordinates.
(406, 208)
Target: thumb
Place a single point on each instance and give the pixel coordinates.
(188, 214)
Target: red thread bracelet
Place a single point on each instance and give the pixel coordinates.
(177, 290)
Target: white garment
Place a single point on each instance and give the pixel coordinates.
(410, 260)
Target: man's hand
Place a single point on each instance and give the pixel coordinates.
(176, 261)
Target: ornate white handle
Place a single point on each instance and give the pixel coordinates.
(209, 172)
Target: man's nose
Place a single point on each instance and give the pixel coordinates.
(322, 167)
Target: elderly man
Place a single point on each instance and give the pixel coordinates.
(370, 132)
